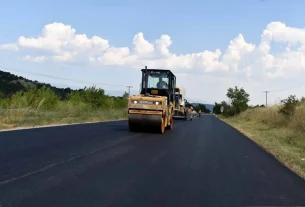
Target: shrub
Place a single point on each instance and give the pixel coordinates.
(289, 106)
(96, 98)
(230, 111)
(43, 98)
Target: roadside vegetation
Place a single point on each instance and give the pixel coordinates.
(279, 129)
(36, 106)
(197, 107)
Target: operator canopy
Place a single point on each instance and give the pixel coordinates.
(158, 79)
(162, 84)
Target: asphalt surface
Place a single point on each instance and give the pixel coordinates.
(200, 163)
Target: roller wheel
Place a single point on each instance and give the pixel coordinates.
(132, 127)
(162, 127)
(170, 127)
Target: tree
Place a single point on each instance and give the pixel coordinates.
(216, 108)
(228, 110)
(201, 107)
(125, 95)
(239, 98)
(225, 105)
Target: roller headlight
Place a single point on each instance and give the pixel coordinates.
(157, 103)
(135, 102)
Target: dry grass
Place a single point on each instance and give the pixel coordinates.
(282, 137)
(64, 113)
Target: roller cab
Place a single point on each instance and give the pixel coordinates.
(153, 107)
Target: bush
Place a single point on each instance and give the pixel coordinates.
(96, 98)
(43, 98)
(230, 111)
(289, 106)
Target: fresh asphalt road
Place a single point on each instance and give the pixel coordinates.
(200, 163)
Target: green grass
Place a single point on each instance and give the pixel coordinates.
(42, 107)
(64, 113)
(282, 137)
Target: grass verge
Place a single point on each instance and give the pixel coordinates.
(63, 113)
(41, 107)
(283, 138)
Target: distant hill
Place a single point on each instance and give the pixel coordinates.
(11, 84)
(209, 106)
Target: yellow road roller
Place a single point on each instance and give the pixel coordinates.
(153, 107)
(180, 111)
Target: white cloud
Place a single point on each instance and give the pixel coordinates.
(34, 59)
(9, 47)
(163, 44)
(142, 46)
(63, 44)
(242, 62)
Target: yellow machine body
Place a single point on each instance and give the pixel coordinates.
(153, 109)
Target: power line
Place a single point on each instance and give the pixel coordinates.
(55, 77)
(282, 89)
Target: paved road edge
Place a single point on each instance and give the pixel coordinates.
(248, 136)
(57, 125)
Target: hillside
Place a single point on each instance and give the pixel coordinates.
(10, 84)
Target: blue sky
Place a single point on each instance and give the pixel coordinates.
(193, 26)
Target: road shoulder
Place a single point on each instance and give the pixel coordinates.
(58, 125)
(273, 141)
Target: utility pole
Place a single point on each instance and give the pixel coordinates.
(266, 96)
(129, 90)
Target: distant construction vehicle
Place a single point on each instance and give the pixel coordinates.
(154, 106)
(180, 111)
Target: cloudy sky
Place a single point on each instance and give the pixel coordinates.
(210, 45)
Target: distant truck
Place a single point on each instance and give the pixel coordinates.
(180, 111)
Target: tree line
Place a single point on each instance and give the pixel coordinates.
(239, 99)
(198, 107)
